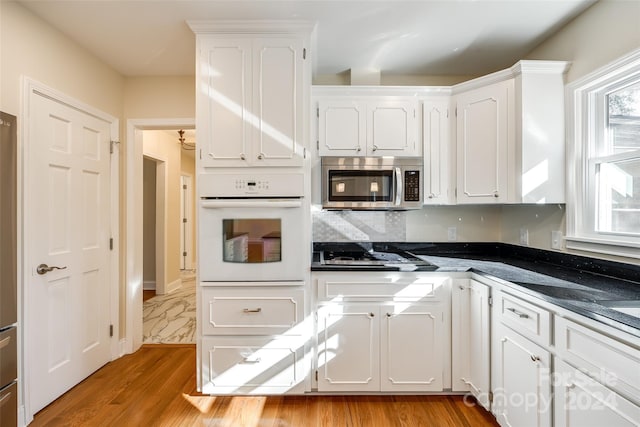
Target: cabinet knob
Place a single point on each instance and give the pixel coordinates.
(495, 194)
(431, 195)
(375, 147)
(372, 315)
(358, 149)
(260, 156)
(242, 156)
(535, 358)
(389, 315)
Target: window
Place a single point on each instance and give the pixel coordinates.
(604, 160)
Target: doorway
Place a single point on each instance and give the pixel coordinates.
(134, 222)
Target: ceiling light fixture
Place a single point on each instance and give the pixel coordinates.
(183, 142)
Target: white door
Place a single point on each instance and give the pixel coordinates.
(67, 226)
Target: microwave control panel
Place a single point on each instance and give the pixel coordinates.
(412, 186)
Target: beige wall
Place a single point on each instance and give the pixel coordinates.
(30, 47)
(163, 146)
(606, 31)
(160, 97)
(472, 223)
(188, 167)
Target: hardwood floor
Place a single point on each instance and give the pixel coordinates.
(156, 387)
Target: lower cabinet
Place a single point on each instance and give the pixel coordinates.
(580, 401)
(521, 380)
(470, 339)
(373, 347)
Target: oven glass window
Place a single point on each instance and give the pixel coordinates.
(361, 186)
(251, 240)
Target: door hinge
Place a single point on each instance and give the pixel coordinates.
(111, 144)
(304, 53)
(110, 330)
(316, 375)
(111, 243)
(184, 254)
(184, 186)
(200, 154)
(318, 112)
(490, 397)
(184, 220)
(490, 299)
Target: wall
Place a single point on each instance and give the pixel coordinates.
(160, 97)
(163, 146)
(188, 167)
(149, 224)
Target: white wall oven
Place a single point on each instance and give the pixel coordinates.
(251, 227)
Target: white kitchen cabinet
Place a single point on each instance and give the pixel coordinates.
(383, 331)
(510, 135)
(470, 330)
(521, 380)
(438, 165)
(379, 126)
(252, 87)
(368, 347)
(580, 401)
(483, 143)
(254, 339)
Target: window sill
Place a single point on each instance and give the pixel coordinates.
(601, 246)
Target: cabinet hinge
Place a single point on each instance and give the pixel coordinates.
(304, 153)
(490, 397)
(490, 300)
(111, 144)
(304, 53)
(456, 112)
(111, 243)
(110, 330)
(316, 375)
(318, 145)
(318, 112)
(200, 154)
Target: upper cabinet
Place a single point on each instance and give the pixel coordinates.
(362, 123)
(436, 123)
(510, 135)
(253, 82)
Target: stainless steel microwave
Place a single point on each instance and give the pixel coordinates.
(380, 183)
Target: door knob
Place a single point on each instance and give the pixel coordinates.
(44, 268)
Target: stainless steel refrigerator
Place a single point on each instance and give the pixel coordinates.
(8, 271)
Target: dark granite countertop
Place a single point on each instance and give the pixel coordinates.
(579, 284)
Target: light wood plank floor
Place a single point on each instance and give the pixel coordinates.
(156, 387)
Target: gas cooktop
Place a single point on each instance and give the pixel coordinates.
(372, 258)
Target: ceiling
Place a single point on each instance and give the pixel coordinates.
(397, 37)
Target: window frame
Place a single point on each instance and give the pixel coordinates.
(586, 118)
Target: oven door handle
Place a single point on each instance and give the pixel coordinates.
(282, 203)
(399, 187)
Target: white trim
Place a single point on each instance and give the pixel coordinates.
(32, 87)
(231, 26)
(133, 280)
(581, 141)
(149, 285)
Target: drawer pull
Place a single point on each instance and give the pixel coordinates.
(5, 397)
(518, 313)
(249, 360)
(252, 310)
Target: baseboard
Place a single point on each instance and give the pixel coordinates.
(173, 286)
(149, 285)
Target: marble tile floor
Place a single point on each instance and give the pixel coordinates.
(171, 318)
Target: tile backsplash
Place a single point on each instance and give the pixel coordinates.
(361, 226)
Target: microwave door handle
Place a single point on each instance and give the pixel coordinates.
(399, 188)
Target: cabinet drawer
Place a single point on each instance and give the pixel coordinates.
(611, 362)
(527, 319)
(395, 286)
(253, 365)
(8, 357)
(255, 311)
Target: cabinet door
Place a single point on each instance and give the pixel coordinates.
(437, 163)
(483, 137)
(348, 347)
(341, 127)
(224, 100)
(580, 401)
(411, 350)
(392, 129)
(471, 344)
(522, 387)
(277, 106)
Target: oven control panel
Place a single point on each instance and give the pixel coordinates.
(250, 185)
